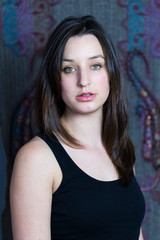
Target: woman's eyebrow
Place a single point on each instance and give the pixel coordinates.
(67, 60)
(90, 58)
(97, 56)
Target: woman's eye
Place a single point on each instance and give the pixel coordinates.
(69, 69)
(96, 67)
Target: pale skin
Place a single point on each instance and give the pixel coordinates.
(37, 175)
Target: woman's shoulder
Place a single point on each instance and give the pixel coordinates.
(33, 182)
(36, 158)
(34, 150)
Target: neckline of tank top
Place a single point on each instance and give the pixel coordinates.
(114, 181)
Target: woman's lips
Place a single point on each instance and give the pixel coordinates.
(86, 97)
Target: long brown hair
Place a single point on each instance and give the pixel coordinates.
(49, 106)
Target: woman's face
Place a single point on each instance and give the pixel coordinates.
(84, 76)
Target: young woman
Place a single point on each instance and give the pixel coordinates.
(74, 179)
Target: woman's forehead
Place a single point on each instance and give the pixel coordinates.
(82, 46)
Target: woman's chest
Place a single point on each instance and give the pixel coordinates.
(87, 205)
(94, 162)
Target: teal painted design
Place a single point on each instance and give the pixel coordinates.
(9, 24)
(136, 25)
(26, 25)
(142, 23)
(33, 25)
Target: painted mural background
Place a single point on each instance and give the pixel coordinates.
(134, 26)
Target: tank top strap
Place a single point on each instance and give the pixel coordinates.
(65, 162)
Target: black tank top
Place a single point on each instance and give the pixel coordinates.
(84, 208)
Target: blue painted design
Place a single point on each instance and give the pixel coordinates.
(142, 32)
(9, 20)
(27, 25)
(136, 25)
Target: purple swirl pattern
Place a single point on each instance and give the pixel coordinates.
(149, 112)
(26, 26)
(142, 23)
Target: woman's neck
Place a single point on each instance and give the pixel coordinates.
(86, 128)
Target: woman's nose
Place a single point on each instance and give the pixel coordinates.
(83, 78)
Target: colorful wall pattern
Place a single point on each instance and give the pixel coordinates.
(24, 29)
(142, 31)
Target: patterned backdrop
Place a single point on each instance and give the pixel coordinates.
(134, 26)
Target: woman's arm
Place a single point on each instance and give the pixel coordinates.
(141, 235)
(31, 192)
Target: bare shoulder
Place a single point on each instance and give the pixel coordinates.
(34, 176)
(36, 160)
(34, 149)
